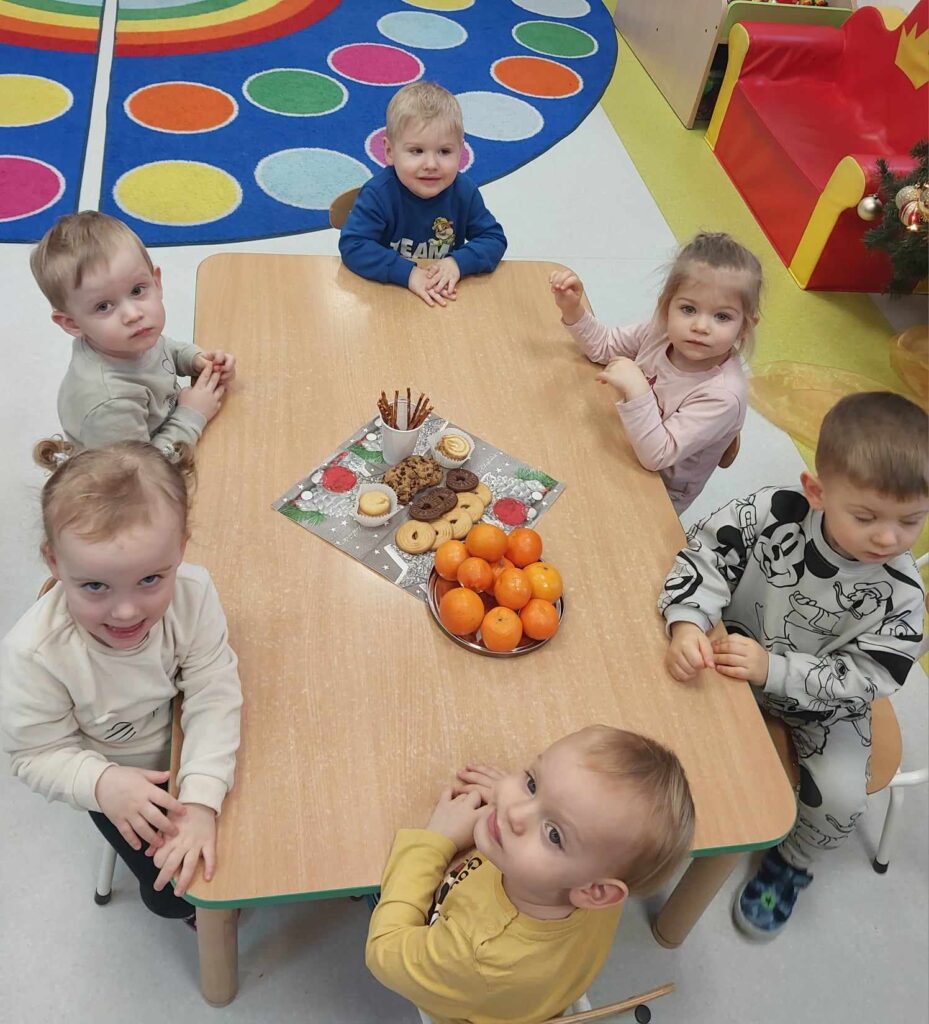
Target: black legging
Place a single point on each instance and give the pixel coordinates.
(164, 903)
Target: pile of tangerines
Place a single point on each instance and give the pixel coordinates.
(496, 583)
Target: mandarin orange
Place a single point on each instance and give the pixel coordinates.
(539, 619)
(461, 611)
(501, 629)
(476, 574)
(448, 557)
(486, 541)
(512, 589)
(523, 546)
(545, 581)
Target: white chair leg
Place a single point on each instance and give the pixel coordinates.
(581, 1006)
(105, 875)
(897, 785)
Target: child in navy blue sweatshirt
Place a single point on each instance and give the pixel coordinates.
(418, 208)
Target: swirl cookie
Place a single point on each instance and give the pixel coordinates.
(484, 493)
(460, 521)
(430, 505)
(461, 480)
(443, 532)
(469, 502)
(414, 538)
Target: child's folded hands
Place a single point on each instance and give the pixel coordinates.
(195, 838)
(455, 817)
(132, 798)
(480, 779)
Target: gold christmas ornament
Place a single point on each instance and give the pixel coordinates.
(870, 208)
(907, 194)
(923, 202)
(909, 216)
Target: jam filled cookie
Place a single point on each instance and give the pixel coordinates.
(430, 505)
(461, 480)
(414, 538)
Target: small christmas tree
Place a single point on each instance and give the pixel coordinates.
(907, 248)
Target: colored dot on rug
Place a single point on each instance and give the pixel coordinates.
(427, 31)
(309, 178)
(295, 92)
(555, 8)
(536, 76)
(27, 186)
(177, 192)
(555, 40)
(374, 147)
(31, 99)
(491, 115)
(181, 107)
(375, 64)
(441, 5)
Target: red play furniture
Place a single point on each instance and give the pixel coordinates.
(803, 115)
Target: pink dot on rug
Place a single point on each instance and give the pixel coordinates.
(27, 186)
(375, 64)
(374, 146)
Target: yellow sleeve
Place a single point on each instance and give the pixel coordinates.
(434, 967)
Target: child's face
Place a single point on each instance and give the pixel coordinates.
(425, 157)
(118, 307)
(548, 831)
(705, 317)
(862, 524)
(118, 589)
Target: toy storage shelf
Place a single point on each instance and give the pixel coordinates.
(676, 40)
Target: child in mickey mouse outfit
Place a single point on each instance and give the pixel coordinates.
(821, 597)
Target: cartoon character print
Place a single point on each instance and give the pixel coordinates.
(811, 835)
(783, 551)
(168, 366)
(682, 583)
(444, 232)
(455, 874)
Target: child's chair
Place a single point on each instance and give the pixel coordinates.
(581, 1011)
(341, 207)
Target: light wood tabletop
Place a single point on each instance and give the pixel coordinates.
(357, 708)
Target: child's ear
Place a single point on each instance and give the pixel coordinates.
(608, 892)
(156, 274)
(388, 152)
(66, 323)
(49, 555)
(812, 489)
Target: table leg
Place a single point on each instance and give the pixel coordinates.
(691, 896)
(218, 943)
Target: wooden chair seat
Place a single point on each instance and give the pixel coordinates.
(341, 207)
(886, 745)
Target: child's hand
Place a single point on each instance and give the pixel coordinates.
(419, 284)
(443, 275)
(567, 289)
(224, 362)
(205, 396)
(455, 817)
(625, 376)
(131, 798)
(690, 651)
(742, 658)
(195, 838)
(480, 779)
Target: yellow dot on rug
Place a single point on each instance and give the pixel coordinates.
(30, 99)
(440, 5)
(177, 192)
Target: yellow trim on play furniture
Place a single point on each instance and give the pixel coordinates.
(893, 17)
(738, 49)
(844, 190)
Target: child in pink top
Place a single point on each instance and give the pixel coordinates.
(680, 382)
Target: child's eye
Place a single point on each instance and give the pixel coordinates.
(688, 309)
(139, 288)
(148, 581)
(101, 307)
(723, 317)
(554, 836)
(863, 519)
(94, 587)
(530, 783)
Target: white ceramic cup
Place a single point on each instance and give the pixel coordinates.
(398, 444)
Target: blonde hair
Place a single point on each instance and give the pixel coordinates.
(718, 251)
(423, 102)
(101, 492)
(876, 440)
(667, 827)
(73, 246)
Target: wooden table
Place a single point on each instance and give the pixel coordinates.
(357, 708)
(676, 41)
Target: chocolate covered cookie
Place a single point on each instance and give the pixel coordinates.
(432, 504)
(461, 480)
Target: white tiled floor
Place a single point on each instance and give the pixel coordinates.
(857, 948)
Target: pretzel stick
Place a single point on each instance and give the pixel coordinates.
(423, 410)
(409, 409)
(396, 403)
(414, 419)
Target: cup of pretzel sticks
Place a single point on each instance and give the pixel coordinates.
(402, 419)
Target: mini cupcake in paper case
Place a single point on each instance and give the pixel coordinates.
(452, 448)
(374, 505)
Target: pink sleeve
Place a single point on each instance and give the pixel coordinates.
(698, 423)
(601, 343)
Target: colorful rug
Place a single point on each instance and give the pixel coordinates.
(238, 119)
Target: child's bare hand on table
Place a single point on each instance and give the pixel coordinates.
(480, 779)
(443, 277)
(567, 289)
(625, 376)
(689, 652)
(741, 657)
(222, 362)
(421, 285)
(195, 838)
(205, 396)
(132, 798)
(455, 817)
